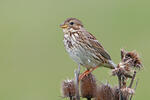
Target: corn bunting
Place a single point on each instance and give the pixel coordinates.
(83, 47)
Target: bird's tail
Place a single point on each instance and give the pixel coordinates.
(110, 64)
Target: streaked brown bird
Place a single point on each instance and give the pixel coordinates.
(83, 47)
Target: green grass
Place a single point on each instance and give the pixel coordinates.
(33, 61)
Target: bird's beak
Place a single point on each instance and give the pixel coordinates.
(63, 25)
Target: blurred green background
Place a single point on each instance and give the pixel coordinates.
(33, 61)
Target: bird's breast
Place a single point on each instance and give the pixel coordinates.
(78, 51)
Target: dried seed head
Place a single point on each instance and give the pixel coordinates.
(122, 70)
(123, 52)
(88, 86)
(127, 91)
(115, 93)
(136, 62)
(104, 92)
(131, 59)
(68, 88)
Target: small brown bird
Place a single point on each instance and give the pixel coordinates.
(83, 47)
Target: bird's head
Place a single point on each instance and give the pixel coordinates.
(71, 23)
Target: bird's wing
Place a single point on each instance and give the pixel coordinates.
(97, 46)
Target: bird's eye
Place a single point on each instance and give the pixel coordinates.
(71, 23)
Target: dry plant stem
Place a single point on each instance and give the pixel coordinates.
(120, 85)
(71, 98)
(128, 76)
(77, 73)
(119, 80)
(132, 79)
(134, 88)
(88, 98)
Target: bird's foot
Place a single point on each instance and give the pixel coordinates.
(86, 73)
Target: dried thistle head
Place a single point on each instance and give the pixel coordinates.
(131, 58)
(104, 92)
(127, 91)
(88, 86)
(115, 93)
(122, 70)
(68, 88)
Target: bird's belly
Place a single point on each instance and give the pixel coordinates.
(82, 56)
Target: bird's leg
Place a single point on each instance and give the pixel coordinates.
(87, 72)
(83, 74)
